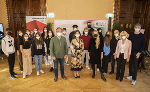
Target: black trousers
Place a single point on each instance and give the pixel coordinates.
(133, 66)
(112, 63)
(120, 67)
(98, 65)
(105, 63)
(11, 62)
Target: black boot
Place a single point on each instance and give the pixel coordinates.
(103, 78)
(51, 69)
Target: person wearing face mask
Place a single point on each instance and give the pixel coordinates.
(35, 30)
(64, 33)
(122, 54)
(106, 55)
(29, 34)
(19, 41)
(100, 32)
(38, 52)
(86, 39)
(47, 57)
(25, 48)
(71, 35)
(138, 44)
(44, 33)
(113, 44)
(58, 51)
(45, 37)
(96, 53)
(9, 50)
(89, 25)
(77, 49)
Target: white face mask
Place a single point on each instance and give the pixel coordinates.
(20, 34)
(26, 38)
(35, 32)
(45, 30)
(116, 35)
(86, 33)
(77, 35)
(59, 34)
(50, 34)
(38, 37)
(64, 33)
(123, 37)
(75, 29)
(28, 33)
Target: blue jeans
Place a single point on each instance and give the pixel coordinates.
(38, 62)
(61, 61)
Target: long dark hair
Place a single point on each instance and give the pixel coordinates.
(40, 41)
(51, 32)
(18, 37)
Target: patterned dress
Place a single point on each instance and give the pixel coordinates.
(77, 48)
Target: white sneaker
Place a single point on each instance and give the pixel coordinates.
(24, 76)
(38, 73)
(98, 70)
(41, 71)
(129, 77)
(104, 73)
(133, 82)
(87, 67)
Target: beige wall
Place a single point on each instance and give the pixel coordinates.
(80, 9)
(3, 14)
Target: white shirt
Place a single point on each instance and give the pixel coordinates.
(122, 47)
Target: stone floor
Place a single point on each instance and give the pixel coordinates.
(45, 83)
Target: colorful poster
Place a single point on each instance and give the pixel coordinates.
(36, 22)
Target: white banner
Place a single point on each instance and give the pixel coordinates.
(81, 25)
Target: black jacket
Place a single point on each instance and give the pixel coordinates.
(36, 51)
(113, 45)
(95, 54)
(138, 42)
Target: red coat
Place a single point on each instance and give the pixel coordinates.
(86, 40)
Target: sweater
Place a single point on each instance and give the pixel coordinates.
(8, 45)
(138, 42)
(58, 47)
(36, 51)
(86, 41)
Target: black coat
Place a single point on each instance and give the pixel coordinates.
(71, 36)
(95, 54)
(113, 45)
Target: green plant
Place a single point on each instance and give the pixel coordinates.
(49, 26)
(116, 26)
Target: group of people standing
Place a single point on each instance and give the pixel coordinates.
(90, 48)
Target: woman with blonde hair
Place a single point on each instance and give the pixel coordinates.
(122, 54)
(95, 53)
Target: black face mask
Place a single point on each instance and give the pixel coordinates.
(89, 26)
(9, 33)
(95, 35)
(100, 33)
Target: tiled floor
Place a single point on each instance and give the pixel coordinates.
(45, 83)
